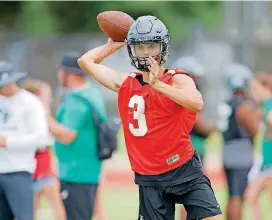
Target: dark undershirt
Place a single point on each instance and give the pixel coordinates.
(186, 172)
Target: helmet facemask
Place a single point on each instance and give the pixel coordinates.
(141, 62)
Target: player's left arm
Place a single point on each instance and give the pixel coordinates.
(183, 91)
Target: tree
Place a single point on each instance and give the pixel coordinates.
(50, 16)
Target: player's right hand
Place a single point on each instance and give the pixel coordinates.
(115, 45)
(154, 69)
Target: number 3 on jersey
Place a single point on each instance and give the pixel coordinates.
(138, 115)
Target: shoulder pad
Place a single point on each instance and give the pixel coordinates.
(175, 71)
(133, 75)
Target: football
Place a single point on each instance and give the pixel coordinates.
(115, 24)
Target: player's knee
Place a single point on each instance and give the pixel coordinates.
(249, 197)
(237, 199)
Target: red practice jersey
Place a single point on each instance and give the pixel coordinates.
(156, 129)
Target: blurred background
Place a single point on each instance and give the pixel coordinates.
(34, 35)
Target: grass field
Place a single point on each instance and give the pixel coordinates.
(121, 202)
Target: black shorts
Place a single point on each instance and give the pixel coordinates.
(201, 157)
(78, 200)
(237, 180)
(197, 196)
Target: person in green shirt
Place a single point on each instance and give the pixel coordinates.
(262, 95)
(76, 140)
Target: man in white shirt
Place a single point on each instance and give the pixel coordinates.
(23, 129)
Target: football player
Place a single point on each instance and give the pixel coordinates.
(261, 94)
(239, 123)
(158, 109)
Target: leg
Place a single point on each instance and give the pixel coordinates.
(154, 205)
(37, 187)
(78, 200)
(19, 193)
(51, 190)
(237, 183)
(198, 199)
(234, 208)
(183, 213)
(92, 192)
(218, 217)
(5, 211)
(37, 197)
(98, 207)
(268, 186)
(252, 194)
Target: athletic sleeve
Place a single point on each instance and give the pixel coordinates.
(75, 114)
(37, 135)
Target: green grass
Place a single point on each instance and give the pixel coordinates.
(122, 204)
